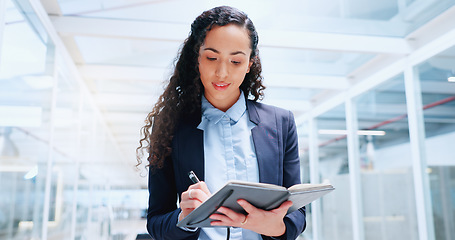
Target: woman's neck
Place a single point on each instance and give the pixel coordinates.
(223, 104)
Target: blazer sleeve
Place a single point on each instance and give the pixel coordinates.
(295, 222)
(163, 213)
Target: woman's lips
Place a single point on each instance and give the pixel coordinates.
(221, 86)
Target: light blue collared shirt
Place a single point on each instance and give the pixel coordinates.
(229, 154)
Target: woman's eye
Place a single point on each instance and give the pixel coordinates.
(211, 59)
(235, 62)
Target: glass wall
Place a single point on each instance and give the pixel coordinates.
(334, 168)
(438, 99)
(387, 184)
(390, 205)
(389, 200)
(303, 134)
(56, 155)
(26, 88)
(65, 155)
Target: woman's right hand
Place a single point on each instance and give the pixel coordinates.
(193, 197)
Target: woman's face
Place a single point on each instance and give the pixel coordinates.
(224, 60)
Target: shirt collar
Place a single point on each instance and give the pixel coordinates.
(214, 115)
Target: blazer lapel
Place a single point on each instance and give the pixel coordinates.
(265, 141)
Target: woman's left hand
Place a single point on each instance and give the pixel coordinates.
(268, 223)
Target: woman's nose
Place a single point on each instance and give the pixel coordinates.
(221, 70)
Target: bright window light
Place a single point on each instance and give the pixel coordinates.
(20, 116)
(32, 173)
(345, 132)
(451, 79)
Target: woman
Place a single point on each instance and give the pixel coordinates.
(205, 122)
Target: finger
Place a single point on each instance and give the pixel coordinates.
(283, 208)
(197, 194)
(220, 220)
(190, 204)
(234, 218)
(186, 195)
(286, 204)
(202, 186)
(248, 207)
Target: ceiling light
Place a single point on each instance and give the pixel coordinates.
(32, 173)
(371, 133)
(345, 132)
(451, 79)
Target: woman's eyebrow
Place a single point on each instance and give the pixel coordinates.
(238, 52)
(216, 51)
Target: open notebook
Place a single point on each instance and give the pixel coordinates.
(261, 195)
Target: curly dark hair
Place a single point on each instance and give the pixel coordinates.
(182, 95)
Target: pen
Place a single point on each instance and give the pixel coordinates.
(193, 177)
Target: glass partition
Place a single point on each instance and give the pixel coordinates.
(388, 197)
(85, 188)
(66, 130)
(303, 135)
(302, 131)
(438, 99)
(334, 168)
(26, 85)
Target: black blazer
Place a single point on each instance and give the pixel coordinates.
(275, 141)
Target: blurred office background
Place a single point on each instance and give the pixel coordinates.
(371, 84)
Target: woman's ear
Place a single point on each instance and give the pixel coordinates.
(249, 65)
